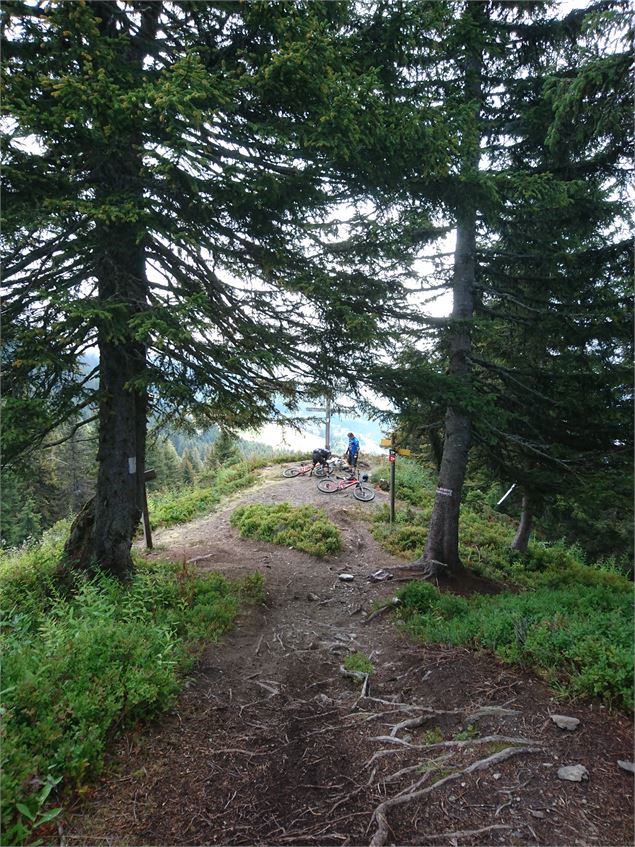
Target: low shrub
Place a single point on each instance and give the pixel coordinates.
(579, 640)
(81, 663)
(358, 662)
(303, 528)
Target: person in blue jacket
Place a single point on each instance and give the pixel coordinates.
(353, 450)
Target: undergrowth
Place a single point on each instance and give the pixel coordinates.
(180, 505)
(170, 507)
(578, 638)
(86, 661)
(304, 528)
(569, 621)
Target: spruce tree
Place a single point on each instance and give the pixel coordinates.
(492, 68)
(160, 161)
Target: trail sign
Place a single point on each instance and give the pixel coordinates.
(385, 442)
(403, 451)
(392, 458)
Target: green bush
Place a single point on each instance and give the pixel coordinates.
(303, 528)
(579, 640)
(81, 663)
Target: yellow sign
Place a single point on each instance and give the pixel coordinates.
(404, 452)
(385, 442)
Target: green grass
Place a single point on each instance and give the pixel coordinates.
(359, 662)
(303, 528)
(80, 664)
(579, 638)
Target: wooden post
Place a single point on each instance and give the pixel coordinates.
(392, 455)
(147, 533)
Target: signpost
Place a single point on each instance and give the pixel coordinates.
(393, 452)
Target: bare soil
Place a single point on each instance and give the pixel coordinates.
(271, 744)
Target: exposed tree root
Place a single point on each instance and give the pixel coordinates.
(468, 742)
(365, 677)
(393, 604)
(468, 833)
(415, 791)
(426, 568)
(380, 813)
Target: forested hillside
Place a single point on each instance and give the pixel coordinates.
(219, 216)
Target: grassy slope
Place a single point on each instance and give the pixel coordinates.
(569, 621)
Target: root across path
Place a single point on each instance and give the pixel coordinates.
(274, 742)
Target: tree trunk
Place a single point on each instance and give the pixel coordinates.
(521, 541)
(442, 547)
(105, 542)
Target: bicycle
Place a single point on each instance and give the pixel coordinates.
(360, 491)
(305, 469)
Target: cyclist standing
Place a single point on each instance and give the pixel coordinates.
(353, 450)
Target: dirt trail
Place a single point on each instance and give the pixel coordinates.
(271, 744)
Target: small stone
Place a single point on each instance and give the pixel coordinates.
(564, 722)
(312, 597)
(536, 814)
(346, 577)
(574, 773)
(626, 766)
(497, 776)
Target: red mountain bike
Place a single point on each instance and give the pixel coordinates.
(305, 469)
(360, 491)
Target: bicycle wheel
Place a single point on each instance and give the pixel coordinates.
(321, 472)
(328, 486)
(289, 472)
(363, 492)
